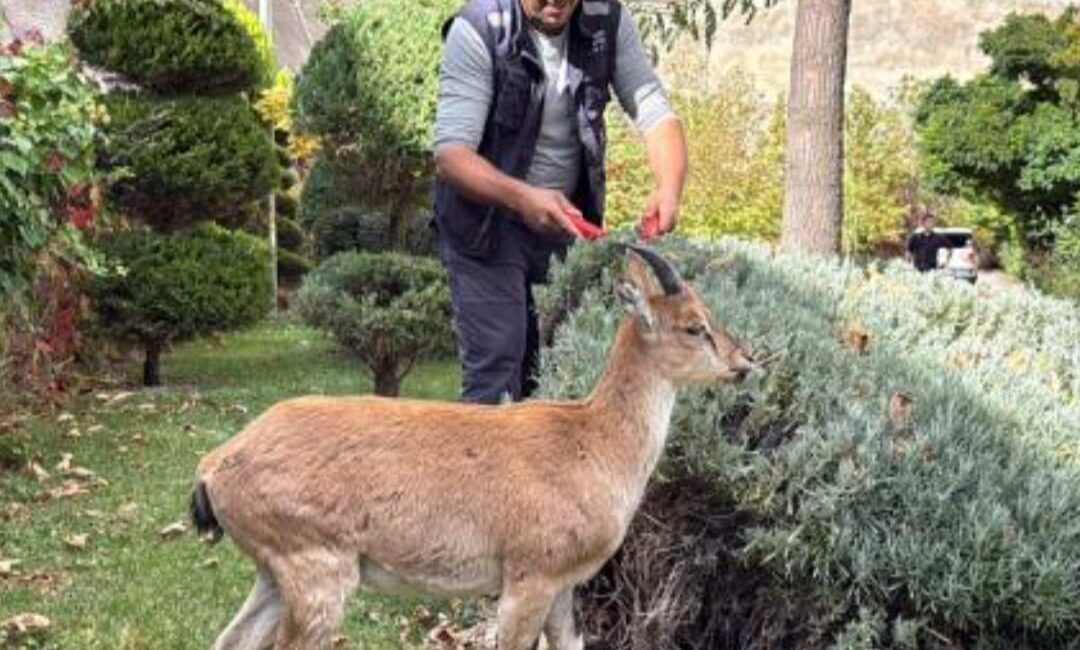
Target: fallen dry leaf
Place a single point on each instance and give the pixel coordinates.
(7, 567)
(81, 473)
(113, 398)
(38, 472)
(65, 417)
(340, 641)
(211, 563)
(97, 428)
(24, 624)
(77, 542)
(65, 463)
(173, 530)
(69, 488)
(147, 407)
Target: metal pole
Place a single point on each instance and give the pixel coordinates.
(266, 17)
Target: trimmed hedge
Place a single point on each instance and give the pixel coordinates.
(924, 486)
(388, 309)
(172, 288)
(187, 158)
(169, 46)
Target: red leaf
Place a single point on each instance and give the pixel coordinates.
(81, 218)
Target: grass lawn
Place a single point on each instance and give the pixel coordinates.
(123, 587)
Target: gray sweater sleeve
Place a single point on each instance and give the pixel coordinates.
(636, 84)
(466, 77)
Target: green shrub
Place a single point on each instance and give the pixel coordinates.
(186, 158)
(351, 228)
(736, 152)
(376, 112)
(388, 309)
(168, 289)
(949, 518)
(1058, 273)
(48, 130)
(320, 193)
(356, 228)
(170, 46)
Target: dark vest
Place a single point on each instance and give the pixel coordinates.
(513, 123)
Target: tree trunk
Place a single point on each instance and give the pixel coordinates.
(814, 172)
(387, 383)
(151, 365)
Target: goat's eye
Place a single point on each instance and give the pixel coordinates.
(696, 330)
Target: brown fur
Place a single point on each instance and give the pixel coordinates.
(523, 501)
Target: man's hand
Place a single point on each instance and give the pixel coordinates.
(660, 217)
(546, 210)
(666, 148)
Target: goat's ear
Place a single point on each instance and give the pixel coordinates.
(635, 302)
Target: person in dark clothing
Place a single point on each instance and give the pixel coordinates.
(923, 245)
(520, 143)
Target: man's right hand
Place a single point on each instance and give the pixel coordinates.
(546, 210)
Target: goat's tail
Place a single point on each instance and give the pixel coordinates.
(202, 514)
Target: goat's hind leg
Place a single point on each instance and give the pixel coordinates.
(315, 588)
(562, 628)
(523, 608)
(255, 624)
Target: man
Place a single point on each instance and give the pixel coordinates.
(923, 245)
(519, 149)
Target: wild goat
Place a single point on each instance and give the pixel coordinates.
(520, 501)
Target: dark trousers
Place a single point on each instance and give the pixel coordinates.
(496, 325)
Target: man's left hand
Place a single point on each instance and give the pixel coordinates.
(660, 217)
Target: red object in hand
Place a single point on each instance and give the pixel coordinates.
(587, 229)
(650, 226)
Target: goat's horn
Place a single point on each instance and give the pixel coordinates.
(670, 280)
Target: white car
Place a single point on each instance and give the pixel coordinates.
(960, 259)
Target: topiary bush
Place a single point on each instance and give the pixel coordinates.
(169, 46)
(388, 309)
(186, 157)
(289, 235)
(375, 112)
(167, 289)
(910, 460)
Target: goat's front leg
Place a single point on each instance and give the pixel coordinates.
(523, 608)
(562, 628)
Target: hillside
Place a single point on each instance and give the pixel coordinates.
(889, 39)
